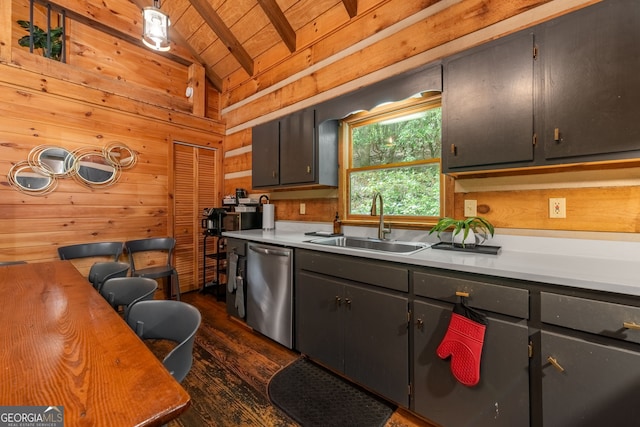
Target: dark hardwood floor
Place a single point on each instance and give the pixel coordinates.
(231, 369)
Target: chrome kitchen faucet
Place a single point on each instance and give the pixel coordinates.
(381, 230)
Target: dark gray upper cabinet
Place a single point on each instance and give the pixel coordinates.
(488, 105)
(592, 90)
(297, 147)
(575, 101)
(266, 154)
(301, 149)
(294, 151)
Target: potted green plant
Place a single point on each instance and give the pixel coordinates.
(53, 51)
(464, 230)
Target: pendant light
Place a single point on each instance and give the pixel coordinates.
(155, 28)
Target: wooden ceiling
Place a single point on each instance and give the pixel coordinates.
(230, 37)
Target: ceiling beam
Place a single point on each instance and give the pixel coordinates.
(280, 22)
(218, 26)
(351, 6)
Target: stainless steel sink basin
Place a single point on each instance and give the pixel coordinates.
(367, 243)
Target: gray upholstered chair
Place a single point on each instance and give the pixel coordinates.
(170, 320)
(86, 250)
(155, 244)
(124, 292)
(100, 272)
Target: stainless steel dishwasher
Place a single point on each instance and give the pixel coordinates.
(269, 291)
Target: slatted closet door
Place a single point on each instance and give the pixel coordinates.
(196, 188)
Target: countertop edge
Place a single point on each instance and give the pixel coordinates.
(593, 273)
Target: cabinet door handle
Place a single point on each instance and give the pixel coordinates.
(454, 150)
(555, 364)
(462, 294)
(631, 325)
(348, 302)
(308, 169)
(338, 301)
(273, 174)
(420, 324)
(556, 135)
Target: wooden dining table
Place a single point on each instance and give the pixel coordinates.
(63, 345)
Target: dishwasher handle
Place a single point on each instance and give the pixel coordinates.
(269, 251)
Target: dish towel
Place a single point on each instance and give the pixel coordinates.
(233, 271)
(240, 296)
(463, 342)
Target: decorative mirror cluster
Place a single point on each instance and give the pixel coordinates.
(90, 166)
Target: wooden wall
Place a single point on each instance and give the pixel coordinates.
(109, 90)
(423, 32)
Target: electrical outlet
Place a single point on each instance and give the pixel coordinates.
(557, 207)
(470, 208)
(303, 209)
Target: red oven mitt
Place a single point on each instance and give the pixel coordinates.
(463, 342)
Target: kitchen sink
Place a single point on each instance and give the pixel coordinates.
(368, 243)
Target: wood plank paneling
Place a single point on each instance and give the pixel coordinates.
(614, 209)
(94, 50)
(6, 27)
(107, 92)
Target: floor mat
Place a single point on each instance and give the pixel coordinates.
(313, 396)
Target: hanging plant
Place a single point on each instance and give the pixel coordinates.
(53, 50)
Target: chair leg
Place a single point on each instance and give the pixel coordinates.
(177, 282)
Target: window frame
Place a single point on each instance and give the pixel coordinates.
(380, 113)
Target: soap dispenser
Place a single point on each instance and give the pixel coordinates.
(337, 225)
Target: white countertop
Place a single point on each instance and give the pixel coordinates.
(597, 265)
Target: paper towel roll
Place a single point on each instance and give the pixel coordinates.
(268, 217)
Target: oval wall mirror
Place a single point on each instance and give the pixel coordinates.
(120, 155)
(94, 169)
(52, 160)
(23, 177)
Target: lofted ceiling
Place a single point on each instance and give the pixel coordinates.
(230, 38)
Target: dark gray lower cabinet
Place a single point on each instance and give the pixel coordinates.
(551, 357)
(352, 316)
(501, 398)
(357, 330)
(588, 384)
(590, 359)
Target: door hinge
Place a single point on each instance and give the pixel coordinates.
(530, 349)
(535, 52)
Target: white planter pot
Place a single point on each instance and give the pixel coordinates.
(469, 241)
